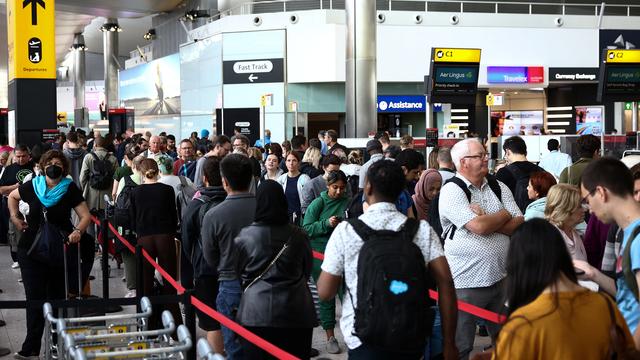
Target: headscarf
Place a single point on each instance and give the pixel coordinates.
(427, 178)
(271, 207)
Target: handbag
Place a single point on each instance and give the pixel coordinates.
(259, 277)
(48, 244)
(617, 349)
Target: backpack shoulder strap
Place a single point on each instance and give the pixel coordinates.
(183, 181)
(128, 181)
(361, 228)
(462, 185)
(494, 185)
(410, 228)
(629, 275)
(94, 155)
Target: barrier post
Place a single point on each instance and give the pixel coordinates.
(104, 234)
(190, 320)
(139, 274)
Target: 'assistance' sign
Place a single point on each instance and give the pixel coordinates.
(31, 39)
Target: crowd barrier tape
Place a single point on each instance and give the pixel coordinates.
(253, 338)
(462, 306)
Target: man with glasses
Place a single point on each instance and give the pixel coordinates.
(478, 219)
(608, 191)
(186, 164)
(240, 141)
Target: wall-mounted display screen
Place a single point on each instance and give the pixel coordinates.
(459, 80)
(517, 122)
(589, 119)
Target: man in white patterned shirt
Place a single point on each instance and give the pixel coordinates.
(478, 248)
(385, 181)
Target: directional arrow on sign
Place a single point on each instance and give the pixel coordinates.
(34, 9)
(251, 78)
(61, 117)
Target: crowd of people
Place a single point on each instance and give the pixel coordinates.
(549, 245)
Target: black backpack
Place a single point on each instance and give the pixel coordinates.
(393, 309)
(354, 208)
(101, 175)
(121, 216)
(520, 193)
(434, 209)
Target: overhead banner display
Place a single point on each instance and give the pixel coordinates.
(589, 119)
(253, 71)
(31, 39)
(453, 75)
(400, 104)
(515, 74)
(619, 76)
(152, 88)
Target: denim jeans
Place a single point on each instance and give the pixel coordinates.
(228, 301)
(434, 346)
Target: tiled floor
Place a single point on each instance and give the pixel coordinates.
(12, 335)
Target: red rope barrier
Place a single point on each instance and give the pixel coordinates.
(235, 327)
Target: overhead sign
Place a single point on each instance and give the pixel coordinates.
(253, 71)
(573, 74)
(31, 39)
(623, 56)
(61, 117)
(453, 75)
(456, 55)
(619, 76)
(515, 74)
(399, 104)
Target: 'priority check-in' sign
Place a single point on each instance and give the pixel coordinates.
(31, 39)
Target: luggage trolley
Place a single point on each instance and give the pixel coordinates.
(177, 350)
(205, 352)
(119, 341)
(119, 323)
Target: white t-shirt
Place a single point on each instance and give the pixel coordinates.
(343, 249)
(174, 182)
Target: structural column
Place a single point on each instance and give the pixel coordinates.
(81, 118)
(110, 32)
(361, 80)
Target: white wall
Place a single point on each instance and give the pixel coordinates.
(316, 43)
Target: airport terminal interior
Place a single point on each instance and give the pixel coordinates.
(204, 179)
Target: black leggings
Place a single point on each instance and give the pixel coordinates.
(295, 341)
(163, 248)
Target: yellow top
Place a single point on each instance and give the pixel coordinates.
(577, 329)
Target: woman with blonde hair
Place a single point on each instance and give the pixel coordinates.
(154, 219)
(310, 164)
(564, 210)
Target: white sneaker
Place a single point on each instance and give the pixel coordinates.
(130, 294)
(15, 265)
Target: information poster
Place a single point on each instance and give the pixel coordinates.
(589, 120)
(451, 130)
(517, 122)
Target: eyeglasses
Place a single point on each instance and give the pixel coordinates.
(585, 200)
(482, 156)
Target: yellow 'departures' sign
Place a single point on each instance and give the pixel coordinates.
(456, 55)
(623, 56)
(31, 39)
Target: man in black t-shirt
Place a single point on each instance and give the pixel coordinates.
(516, 174)
(15, 173)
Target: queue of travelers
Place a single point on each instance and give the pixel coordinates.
(239, 225)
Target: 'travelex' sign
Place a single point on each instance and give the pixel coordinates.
(515, 74)
(31, 39)
(398, 104)
(573, 74)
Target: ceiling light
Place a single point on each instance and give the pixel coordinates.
(110, 27)
(150, 35)
(80, 47)
(193, 15)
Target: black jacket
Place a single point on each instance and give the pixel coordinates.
(281, 298)
(191, 225)
(310, 170)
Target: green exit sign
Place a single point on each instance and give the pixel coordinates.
(628, 106)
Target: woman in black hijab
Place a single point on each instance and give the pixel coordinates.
(274, 263)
